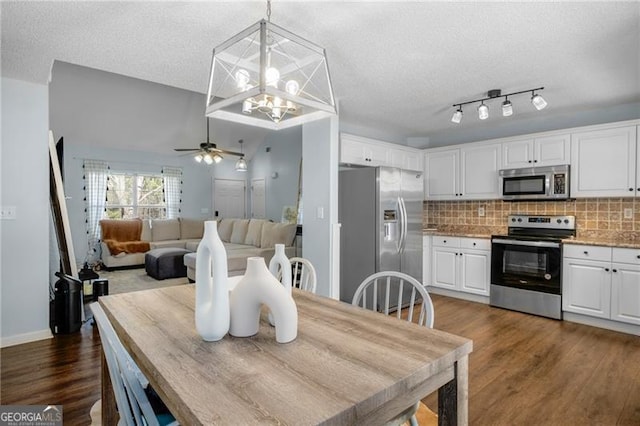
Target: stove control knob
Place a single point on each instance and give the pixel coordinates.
(513, 219)
(566, 221)
(559, 220)
(519, 219)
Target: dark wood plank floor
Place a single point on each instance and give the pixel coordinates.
(524, 370)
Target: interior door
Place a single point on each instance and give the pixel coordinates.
(229, 198)
(258, 199)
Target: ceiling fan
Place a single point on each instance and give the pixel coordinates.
(208, 151)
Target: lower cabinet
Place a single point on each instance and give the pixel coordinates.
(461, 264)
(602, 282)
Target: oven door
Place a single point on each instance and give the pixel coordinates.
(528, 265)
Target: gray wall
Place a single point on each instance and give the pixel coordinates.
(284, 159)
(24, 247)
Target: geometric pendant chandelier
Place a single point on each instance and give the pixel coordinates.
(268, 77)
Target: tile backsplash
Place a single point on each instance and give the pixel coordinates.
(601, 218)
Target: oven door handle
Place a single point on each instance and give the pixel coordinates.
(526, 243)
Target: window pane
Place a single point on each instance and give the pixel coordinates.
(150, 191)
(119, 189)
(151, 212)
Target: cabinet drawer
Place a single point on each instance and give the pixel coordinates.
(587, 252)
(625, 255)
(475, 243)
(444, 241)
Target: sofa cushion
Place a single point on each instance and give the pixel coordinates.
(165, 229)
(225, 227)
(191, 228)
(239, 232)
(277, 233)
(254, 232)
(192, 245)
(168, 243)
(146, 230)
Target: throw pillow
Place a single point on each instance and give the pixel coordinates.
(239, 232)
(254, 232)
(277, 233)
(191, 228)
(225, 227)
(165, 229)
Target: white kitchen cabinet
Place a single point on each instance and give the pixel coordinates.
(426, 260)
(369, 152)
(461, 264)
(603, 163)
(540, 151)
(467, 173)
(602, 282)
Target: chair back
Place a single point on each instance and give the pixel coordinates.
(127, 380)
(391, 291)
(303, 274)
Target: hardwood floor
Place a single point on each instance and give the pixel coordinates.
(524, 370)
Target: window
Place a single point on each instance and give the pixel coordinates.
(132, 195)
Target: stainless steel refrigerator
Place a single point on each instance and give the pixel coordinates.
(380, 210)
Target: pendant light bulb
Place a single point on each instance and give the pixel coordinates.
(457, 116)
(217, 157)
(198, 158)
(241, 165)
(208, 159)
(242, 79)
(272, 76)
(507, 108)
(538, 101)
(483, 111)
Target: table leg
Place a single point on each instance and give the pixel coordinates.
(109, 410)
(453, 398)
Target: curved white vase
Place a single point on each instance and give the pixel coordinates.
(280, 262)
(259, 286)
(212, 289)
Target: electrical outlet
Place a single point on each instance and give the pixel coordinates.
(8, 212)
(628, 213)
(481, 211)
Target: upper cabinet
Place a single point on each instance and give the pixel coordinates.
(536, 152)
(369, 152)
(604, 163)
(467, 173)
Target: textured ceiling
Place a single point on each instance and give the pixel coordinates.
(397, 67)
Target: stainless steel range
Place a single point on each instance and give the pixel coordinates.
(526, 264)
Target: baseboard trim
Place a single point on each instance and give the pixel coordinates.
(458, 294)
(602, 323)
(19, 339)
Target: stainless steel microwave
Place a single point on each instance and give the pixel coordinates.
(535, 183)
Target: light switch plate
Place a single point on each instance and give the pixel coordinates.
(8, 212)
(320, 213)
(628, 213)
(481, 211)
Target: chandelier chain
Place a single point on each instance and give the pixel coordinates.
(269, 10)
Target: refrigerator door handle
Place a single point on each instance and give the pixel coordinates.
(403, 225)
(400, 225)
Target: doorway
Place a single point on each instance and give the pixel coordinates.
(229, 198)
(258, 199)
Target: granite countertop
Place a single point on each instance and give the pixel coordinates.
(587, 241)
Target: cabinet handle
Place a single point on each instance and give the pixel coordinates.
(615, 270)
(638, 256)
(529, 161)
(606, 269)
(474, 244)
(445, 241)
(587, 253)
(630, 189)
(535, 161)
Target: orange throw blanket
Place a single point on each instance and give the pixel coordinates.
(123, 236)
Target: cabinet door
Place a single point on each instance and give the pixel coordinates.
(445, 265)
(353, 152)
(378, 155)
(517, 154)
(397, 158)
(586, 287)
(474, 271)
(479, 167)
(441, 177)
(552, 150)
(426, 260)
(625, 293)
(603, 163)
(413, 161)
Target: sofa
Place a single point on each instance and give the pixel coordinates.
(242, 238)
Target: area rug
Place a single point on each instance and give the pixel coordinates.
(127, 280)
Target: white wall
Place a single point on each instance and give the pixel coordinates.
(320, 191)
(24, 176)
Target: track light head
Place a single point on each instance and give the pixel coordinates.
(483, 111)
(538, 101)
(457, 116)
(507, 108)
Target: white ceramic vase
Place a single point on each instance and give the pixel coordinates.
(280, 262)
(259, 286)
(212, 289)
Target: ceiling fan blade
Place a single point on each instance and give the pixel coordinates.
(224, 151)
(186, 149)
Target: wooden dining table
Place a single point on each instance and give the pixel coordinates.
(347, 365)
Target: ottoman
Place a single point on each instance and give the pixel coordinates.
(163, 263)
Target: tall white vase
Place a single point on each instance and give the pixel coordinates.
(212, 289)
(281, 262)
(259, 286)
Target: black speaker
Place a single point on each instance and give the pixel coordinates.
(100, 288)
(67, 305)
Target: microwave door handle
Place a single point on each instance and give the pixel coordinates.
(526, 243)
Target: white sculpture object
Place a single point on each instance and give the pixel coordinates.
(280, 262)
(259, 286)
(212, 288)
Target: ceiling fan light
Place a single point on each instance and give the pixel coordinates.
(208, 159)
(538, 102)
(241, 165)
(507, 108)
(483, 112)
(198, 158)
(457, 116)
(217, 157)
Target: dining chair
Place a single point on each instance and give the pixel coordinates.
(134, 407)
(388, 292)
(304, 274)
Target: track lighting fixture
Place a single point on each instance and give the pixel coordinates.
(507, 107)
